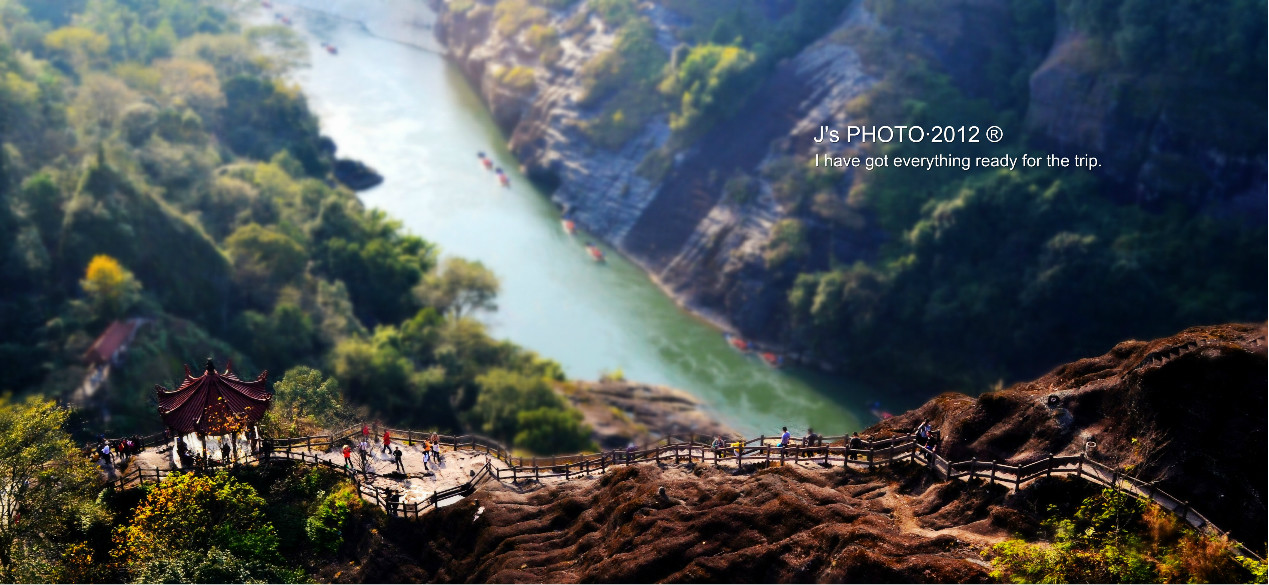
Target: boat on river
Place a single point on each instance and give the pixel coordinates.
(332, 50)
(503, 180)
(570, 227)
(595, 253)
(772, 359)
(737, 343)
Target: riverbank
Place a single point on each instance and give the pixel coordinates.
(414, 118)
(621, 412)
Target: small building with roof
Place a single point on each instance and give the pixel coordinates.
(215, 407)
(112, 343)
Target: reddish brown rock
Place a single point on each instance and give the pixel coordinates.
(1187, 410)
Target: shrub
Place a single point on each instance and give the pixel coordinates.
(709, 85)
(184, 517)
(788, 243)
(512, 15)
(551, 430)
(519, 78)
(325, 528)
(1115, 538)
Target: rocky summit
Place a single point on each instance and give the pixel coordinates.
(1151, 407)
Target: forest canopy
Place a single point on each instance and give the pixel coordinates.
(158, 165)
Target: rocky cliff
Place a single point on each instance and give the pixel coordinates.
(1187, 411)
(722, 222)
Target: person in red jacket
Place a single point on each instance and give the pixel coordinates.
(387, 442)
(348, 457)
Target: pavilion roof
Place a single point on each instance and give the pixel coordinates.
(214, 403)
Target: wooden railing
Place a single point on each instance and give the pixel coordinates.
(1014, 476)
(368, 492)
(831, 450)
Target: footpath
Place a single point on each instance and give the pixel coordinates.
(468, 461)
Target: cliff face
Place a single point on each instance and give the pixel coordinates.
(677, 224)
(666, 205)
(1157, 152)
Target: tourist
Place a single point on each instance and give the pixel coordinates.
(855, 445)
(436, 447)
(784, 438)
(630, 451)
(105, 453)
(387, 442)
(348, 457)
(397, 455)
(390, 502)
(811, 440)
(427, 446)
(427, 456)
(365, 432)
(224, 452)
(717, 446)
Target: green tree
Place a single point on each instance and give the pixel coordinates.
(44, 482)
(710, 84)
(264, 260)
(325, 528)
(280, 339)
(302, 398)
(503, 395)
(40, 201)
(377, 375)
(80, 45)
(461, 288)
(551, 430)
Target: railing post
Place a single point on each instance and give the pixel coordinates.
(973, 466)
(1050, 470)
(993, 469)
(1079, 465)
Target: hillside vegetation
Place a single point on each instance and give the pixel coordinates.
(156, 163)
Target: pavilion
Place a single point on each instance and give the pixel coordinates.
(216, 405)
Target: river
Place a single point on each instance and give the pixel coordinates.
(410, 114)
